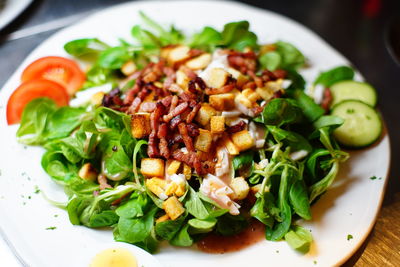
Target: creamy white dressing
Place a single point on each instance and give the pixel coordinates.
(219, 60)
(83, 97)
(316, 92)
(298, 155)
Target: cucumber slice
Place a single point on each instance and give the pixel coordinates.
(362, 125)
(352, 90)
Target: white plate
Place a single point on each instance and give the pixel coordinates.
(349, 207)
(11, 10)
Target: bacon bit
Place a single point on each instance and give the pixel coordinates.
(327, 99)
(192, 85)
(244, 62)
(187, 96)
(174, 122)
(164, 150)
(193, 129)
(280, 74)
(277, 94)
(108, 99)
(195, 52)
(148, 107)
(153, 72)
(152, 149)
(189, 72)
(166, 101)
(138, 100)
(102, 179)
(174, 103)
(193, 113)
(185, 135)
(174, 88)
(130, 95)
(224, 89)
(162, 130)
(237, 127)
(257, 110)
(178, 110)
(190, 159)
(251, 85)
(177, 139)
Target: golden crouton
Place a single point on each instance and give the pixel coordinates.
(140, 125)
(251, 95)
(87, 172)
(222, 101)
(240, 187)
(240, 78)
(275, 85)
(241, 99)
(217, 124)
(171, 189)
(243, 140)
(265, 92)
(173, 207)
(182, 79)
(157, 187)
(204, 114)
(152, 167)
(173, 166)
(128, 68)
(217, 78)
(187, 171)
(97, 98)
(164, 51)
(163, 218)
(178, 54)
(180, 191)
(230, 146)
(199, 62)
(203, 140)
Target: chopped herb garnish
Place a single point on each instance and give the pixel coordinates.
(51, 228)
(349, 237)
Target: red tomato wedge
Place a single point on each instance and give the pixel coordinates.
(31, 90)
(58, 69)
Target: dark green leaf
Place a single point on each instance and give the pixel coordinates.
(114, 58)
(298, 197)
(299, 238)
(104, 218)
(311, 110)
(271, 60)
(236, 35)
(231, 224)
(167, 229)
(207, 39)
(195, 206)
(182, 238)
(85, 47)
(280, 111)
(292, 58)
(242, 160)
(335, 75)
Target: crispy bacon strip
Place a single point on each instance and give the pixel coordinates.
(193, 113)
(237, 127)
(327, 99)
(178, 110)
(162, 135)
(222, 90)
(185, 135)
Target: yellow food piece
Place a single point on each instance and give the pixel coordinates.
(187, 171)
(217, 124)
(163, 218)
(178, 53)
(204, 114)
(251, 95)
(128, 68)
(199, 62)
(240, 187)
(222, 101)
(203, 140)
(114, 257)
(173, 166)
(182, 79)
(157, 187)
(265, 92)
(151, 167)
(243, 140)
(230, 146)
(240, 78)
(97, 98)
(87, 172)
(173, 207)
(140, 125)
(217, 78)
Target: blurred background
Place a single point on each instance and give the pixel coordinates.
(367, 32)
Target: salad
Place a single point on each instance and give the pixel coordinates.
(173, 137)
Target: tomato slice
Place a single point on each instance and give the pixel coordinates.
(31, 90)
(58, 69)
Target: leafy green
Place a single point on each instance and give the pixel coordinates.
(285, 56)
(231, 224)
(271, 60)
(299, 238)
(195, 205)
(236, 35)
(114, 57)
(182, 238)
(335, 75)
(280, 111)
(311, 110)
(85, 47)
(168, 229)
(207, 39)
(298, 197)
(242, 160)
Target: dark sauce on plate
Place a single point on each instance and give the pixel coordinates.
(218, 244)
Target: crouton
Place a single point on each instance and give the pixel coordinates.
(217, 124)
(173, 166)
(243, 140)
(97, 98)
(251, 95)
(217, 78)
(204, 114)
(230, 146)
(240, 187)
(180, 190)
(178, 54)
(171, 189)
(163, 218)
(241, 99)
(240, 78)
(164, 51)
(173, 207)
(152, 167)
(182, 79)
(199, 62)
(265, 93)
(275, 85)
(187, 171)
(222, 101)
(87, 172)
(140, 125)
(157, 187)
(128, 68)
(203, 140)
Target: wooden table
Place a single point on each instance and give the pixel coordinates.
(355, 28)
